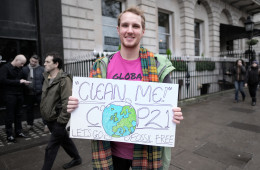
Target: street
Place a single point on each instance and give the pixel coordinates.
(216, 134)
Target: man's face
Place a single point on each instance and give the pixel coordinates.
(20, 63)
(130, 30)
(33, 62)
(49, 65)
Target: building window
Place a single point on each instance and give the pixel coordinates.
(197, 36)
(164, 33)
(110, 10)
(230, 45)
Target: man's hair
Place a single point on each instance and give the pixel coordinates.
(134, 10)
(35, 57)
(56, 59)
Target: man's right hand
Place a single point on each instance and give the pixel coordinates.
(22, 81)
(72, 104)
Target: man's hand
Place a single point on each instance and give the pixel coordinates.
(22, 81)
(177, 117)
(245, 84)
(72, 104)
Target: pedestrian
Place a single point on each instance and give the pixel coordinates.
(144, 66)
(252, 80)
(239, 74)
(13, 81)
(34, 74)
(57, 87)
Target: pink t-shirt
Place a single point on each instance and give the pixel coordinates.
(119, 68)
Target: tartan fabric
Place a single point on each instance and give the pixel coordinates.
(101, 155)
(148, 65)
(96, 70)
(144, 157)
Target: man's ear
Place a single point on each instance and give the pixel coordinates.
(117, 28)
(57, 64)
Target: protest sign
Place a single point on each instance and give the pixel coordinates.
(125, 111)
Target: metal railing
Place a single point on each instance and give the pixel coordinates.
(196, 76)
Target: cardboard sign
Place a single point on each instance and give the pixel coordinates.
(125, 111)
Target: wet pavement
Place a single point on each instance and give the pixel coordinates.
(216, 134)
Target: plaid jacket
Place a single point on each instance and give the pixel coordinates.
(144, 157)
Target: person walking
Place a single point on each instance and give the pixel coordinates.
(252, 80)
(34, 74)
(13, 81)
(57, 87)
(239, 73)
(144, 66)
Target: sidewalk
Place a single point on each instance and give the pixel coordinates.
(216, 134)
(36, 137)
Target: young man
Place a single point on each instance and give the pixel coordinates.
(13, 81)
(34, 74)
(55, 92)
(252, 80)
(144, 66)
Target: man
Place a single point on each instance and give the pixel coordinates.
(252, 80)
(34, 74)
(131, 60)
(13, 81)
(56, 89)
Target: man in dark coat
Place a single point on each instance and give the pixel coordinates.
(13, 81)
(34, 74)
(57, 87)
(252, 80)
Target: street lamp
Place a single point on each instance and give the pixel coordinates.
(249, 26)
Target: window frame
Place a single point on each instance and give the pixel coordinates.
(169, 34)
(200, 39)
(109, 25)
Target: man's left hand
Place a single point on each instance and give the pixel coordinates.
(177, 117)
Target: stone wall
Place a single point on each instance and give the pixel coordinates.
(82, 25)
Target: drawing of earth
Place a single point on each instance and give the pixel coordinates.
(119, 119)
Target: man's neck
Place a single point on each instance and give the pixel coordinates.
(32, 66)
(53, 73)
(130, 53)
(13, 64)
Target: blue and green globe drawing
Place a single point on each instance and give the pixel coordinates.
(119, 119)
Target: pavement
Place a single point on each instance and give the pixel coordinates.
(216, 134)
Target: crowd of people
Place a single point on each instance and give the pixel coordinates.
(21, 85)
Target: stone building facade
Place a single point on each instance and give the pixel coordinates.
(193, 27)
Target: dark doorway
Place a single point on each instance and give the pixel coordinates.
(9, 48)
(204, 89)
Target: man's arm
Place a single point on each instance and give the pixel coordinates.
(66, 91)
(177, 110)
(167, 79)
(4, 79)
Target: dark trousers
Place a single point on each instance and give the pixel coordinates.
(30, 100)
(13, 113)
(252, 91)
(59, 137)
(121, 163)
